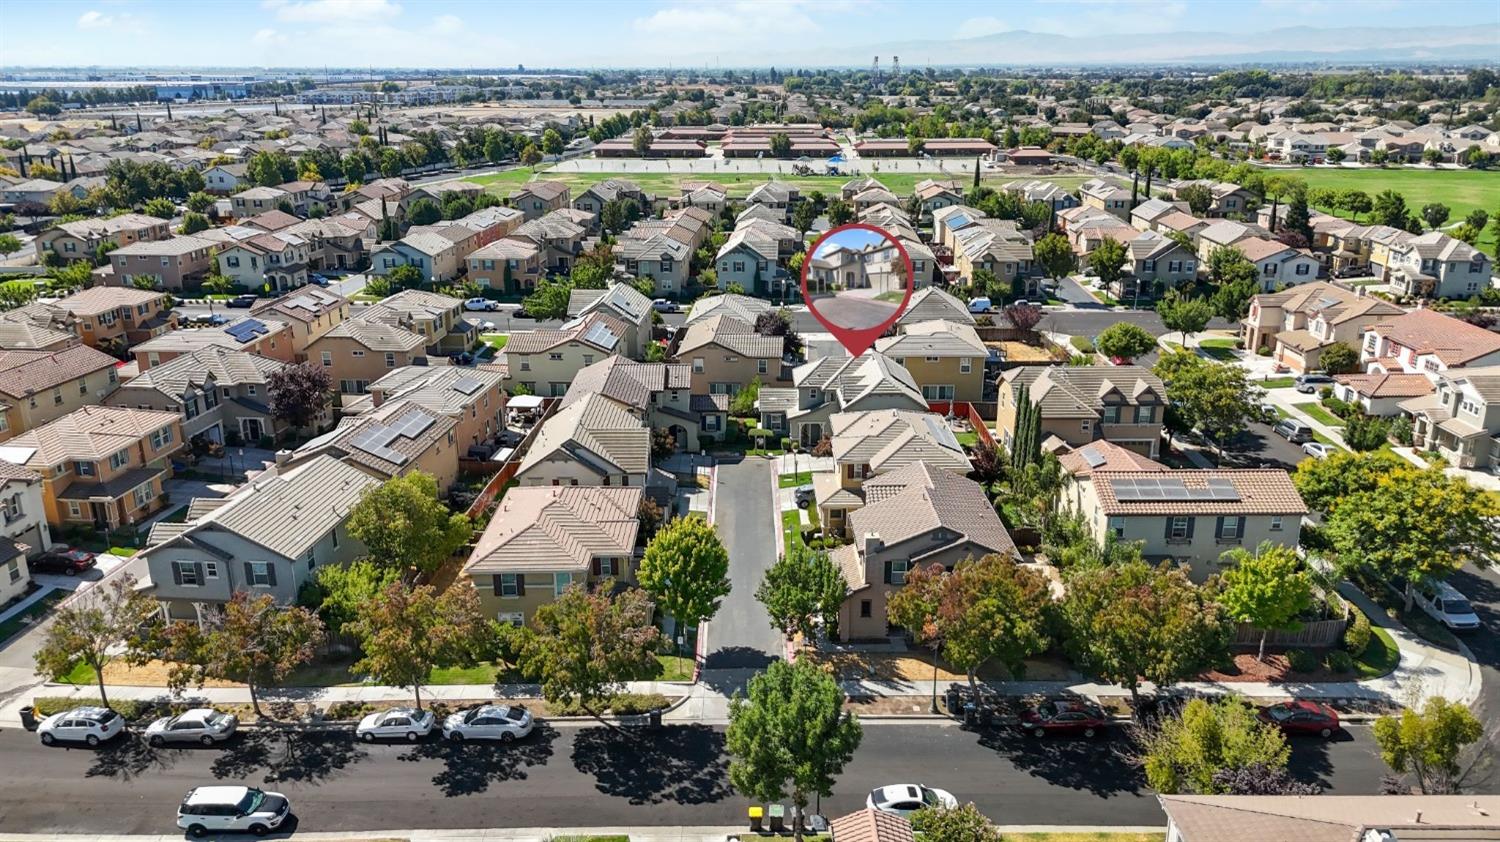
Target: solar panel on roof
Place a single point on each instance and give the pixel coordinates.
(602, 336)
(414, 425)
(1092, 457)
(467, 385)
(1222, 488)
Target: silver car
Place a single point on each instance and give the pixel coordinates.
(489, 722)
(407, 724)
(199, 725)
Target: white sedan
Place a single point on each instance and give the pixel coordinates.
(489, 722)
(199, 725)
(905, 799)
(1317, 449)
(407, 724)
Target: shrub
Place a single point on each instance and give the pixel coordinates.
(1340, 661)
(1239, 343)
(786, 443)
(1301, 660)
(1325, 393)
(1401, 431)
(1263, 352)
(131, 709)
(1357, 635)
(348, 710)
(631, 704)
(1337, 406)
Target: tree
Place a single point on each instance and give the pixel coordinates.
(1198, 197)
(789, 734)
(1128, 622)
(583, 646)
(1123, 339)
(1217, 398)
(405, 632)
(1024, 317)
(424, 212)
(404, 525)
(1366, 432)
(1467, 233)
(96, 628)
(781, 145)
(405, 276)
(43, 107)
(1340, 358)
(686, 568)
(1428, 744)
(299, 393)
(954, 824)
(1268, 589)
(1435, 214)
(338, 591)
(840, 212)
(1477, 218)
(801, 587)
(1355, 202)
(1261, 779)
(192, 223)
(549, 300)
(268, 169)
(1026, 447)
(1389, 208)
(1184, 753)
(9, 244)
(1108, 261)
(1055, 255)
(531, 156)
(160, 207)
(803, 216)
(1183, 314)
(552, 142)
(254, 641)
(779, 323)
(1297, 218)
(640, 142)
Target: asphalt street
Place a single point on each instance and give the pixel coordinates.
(854, 311)
(589, 776)
(1482, 587)
(739, 636)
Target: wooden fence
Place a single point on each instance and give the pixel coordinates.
(1317, 633)
(512, 466)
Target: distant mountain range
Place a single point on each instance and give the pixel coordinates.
(1299, 44)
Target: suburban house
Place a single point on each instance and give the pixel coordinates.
(1124, 404)
(1429, 343)
(263, 337)
(661, 250)
(750, 258)
(593, 441)
(277, 260)
(395, 439)
(510, 265)
(41, 386)
(436, 317)
(358, 351)
(1193, 516)
(1384, 393)
(1459, 415)
(778, 195)
(1228, 198)
(173, 262)
(937, 194)
(80, 239)
(224, 179)
(1225, 233)
(32, 328)
(1278, 264)
(726, 355)
(539, 198)
(113, 319)
(876, 442)
(1435, 265)
(1298, 323)
(1144, 216)
(1330, 818)
(946, 359)
(546, 360)
(222, 395)
(828, 385)
(918, 515)
(102, 466)
(1045, 192)
(659, 394)
(1106, 196)
(994, 245)
(541, 540)
(333, 243)
(472, 397)
(560, 235)
(742, 307)
(271, 535)
(593, 199)
(310, 312)
(710, 197)
(933, 304)
(258, 200)
(438, 258)
(1156, 263)
(625, 303)
(24, 532)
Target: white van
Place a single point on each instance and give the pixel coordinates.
(1444, 603)
(980, 305)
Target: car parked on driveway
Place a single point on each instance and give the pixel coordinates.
(805, 496)
(1301, 717)
(407, 724)
(69, 561)
(1310, 383)
(228, 809)
(905, 799)
(1064, 716)
(1318, 450)
(489, 722)
(199, 725)
(663, 305)
(91, 725)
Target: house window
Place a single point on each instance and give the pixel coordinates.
(390, 359)
(554, 357)
(1303, 268)
(327, 359)
(607, 567)
(739, 266)
(210, 570)
(161, 438)
(1145, 414)
(260, 574)
(119, 460)
(74, 510)
(1111, 415)
(11, 506)
(1275, 523)
(84, 469)
(57, 397)
(143, 494)
(965, 365)
(186, 574)
(864, 608)
(1178, 531)
(697, 365)
(938, 392)
(899, 568)
(510, 584)
(356, 354)
(1229, 529)
(13, 570)
(560, 583)
(1117, 526)
(762, 366)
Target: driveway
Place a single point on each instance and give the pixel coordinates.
(1069, 290)
(740, 636)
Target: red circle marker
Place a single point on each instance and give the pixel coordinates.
(857, 340)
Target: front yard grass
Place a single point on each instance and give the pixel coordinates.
(495, 340)
(1380, 656)
(1219, 349)
(1317, 413)
(793, 480)
(1277, 382)
(675, 667)
(30, 615)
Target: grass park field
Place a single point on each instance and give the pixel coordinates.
(1461, 190)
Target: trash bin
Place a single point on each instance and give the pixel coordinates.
(28, 718)
(654, 717)
(757, 817)
(817, 824)
(986, 715)
(778, 818)
(971, 713)
(951, 699)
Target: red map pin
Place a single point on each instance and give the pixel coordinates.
(857, 280)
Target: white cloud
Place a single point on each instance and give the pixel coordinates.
(332, 11)
(981, 26)
(94, 19)
(732, 20)
(268, 39)
(447, 25)
(124, 23)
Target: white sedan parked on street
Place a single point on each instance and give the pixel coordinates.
(92, 725)
(1317, 449)
(407, 724)
(199, 725)
(489, 722)
(905, 799)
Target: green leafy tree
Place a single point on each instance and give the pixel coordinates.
(405, 276)
(1467, 233)
(583, 646)
(338, 591)
(43, 107)
(1123, 339)
(1198, 197)
(640, 142)
(1366, 432)
(1478, 218)
(406, 632)
(1217, 398)
(1184, 753)
(1340, 358)
(1435, 214)
(192, 223)
(531, 156)
(954, 824)
(1128, 622)
(1055, 255)
(1183, 314)
(550, 299)
(159, 207)
(15, 294)
(424, 212)
(1389, 208)
(109, 622)
(1269, 589)
(9, 244)
(200, 202)
(781, 145)
(1355, 202)
(404, 525)
(840, 212)
(801, 587)
(686, 569)
(1325, 483)
(552, 142)
(1429, 744)
(789, 735)
(803, 216)
(1108, 261)
(253, 641)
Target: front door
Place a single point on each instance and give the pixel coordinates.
(252, 429)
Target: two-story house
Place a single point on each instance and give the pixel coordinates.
(41, 386)
(223, 396)
(1106, 196)
(1427, 342)
(1278, 264)
(310, 312)
(278, 260)
(171, 263)
(1460, 417)
(253, 335)
(539, 198)
(946, 359)
(436, 317)
(334, 243)
(472, 397)
(510, 265)
(620, 301)
(560, 235)
(1157, 263)
(828, 385)
(23, 526)
(1342, 316)
(397, 438)
(876, 442)
(438, 258)
(357, 352)
(1124, 404)
(594, 197)
(591, 442)
(257, 200)
(1435, 265)
(113, 319)
(726, 355)
(659, 394)
(80, 239)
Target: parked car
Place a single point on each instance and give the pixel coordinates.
(319, 280)
(980, 305)
(207, 320)
(662, 305)
(1064, 716)
(489, 722)
(520, 313)
(1317, 449)
(199, 725)
(1268, 411)
(1310, 383)
(1293, 430)
(805, 496)
(69, 561)
(241, 301)
(1301, 717)
(91, 725)
(407, 724)
(221, 809)
(905, 799)
(481, 304)
(1442, 602)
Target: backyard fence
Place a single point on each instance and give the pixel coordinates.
(1316, 633)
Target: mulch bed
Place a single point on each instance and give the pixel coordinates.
(1274, 669)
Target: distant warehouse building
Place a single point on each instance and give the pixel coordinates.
(901, 148)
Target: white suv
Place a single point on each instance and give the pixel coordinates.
(217, 809)
(81, 725)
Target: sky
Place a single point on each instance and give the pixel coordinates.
(615, 33)
(854, 238)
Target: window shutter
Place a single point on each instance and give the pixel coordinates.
(271, 573)
(1167, 532)
(176, 573)
(1191, 522)
(249, 574)
(1218, 528)
(1241, 533)
(596, 567)
(887, 573)
(495, 583)
(520, 584)
(198, 573)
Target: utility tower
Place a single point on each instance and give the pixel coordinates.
(875, 68)
(895, 65)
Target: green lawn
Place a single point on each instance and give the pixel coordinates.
(890, 296)
(1223, 353)
(1319, 414)
(675, 667)
(969, 439)
(1461, 190)
(33, 612)
(497, 341)
(339, 675)
(791, 524)
(1276, 382)
(1082, 344)
(792, 480)
(1379, 657)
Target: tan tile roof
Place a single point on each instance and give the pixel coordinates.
(1385, 385)
(449, 390)
(557, 528)
(626, 382)
(871, 826)
(887, 439)
(1103, 455)
(732, 334)
(96, 300)
(742, 307)
(374, 335)
(936, 338)
(597, 432)
(920, 498)
(26, 372)
(194, 339)
(1451, 340)
(91, 432)
(1332, 818)
(597, 330)
(399, 452)
(930, 303)
(1266, 491)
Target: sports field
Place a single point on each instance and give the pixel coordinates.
(1461, 190)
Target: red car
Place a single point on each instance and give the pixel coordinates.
(1064, 716)
(63, 559)
(1301, 717)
